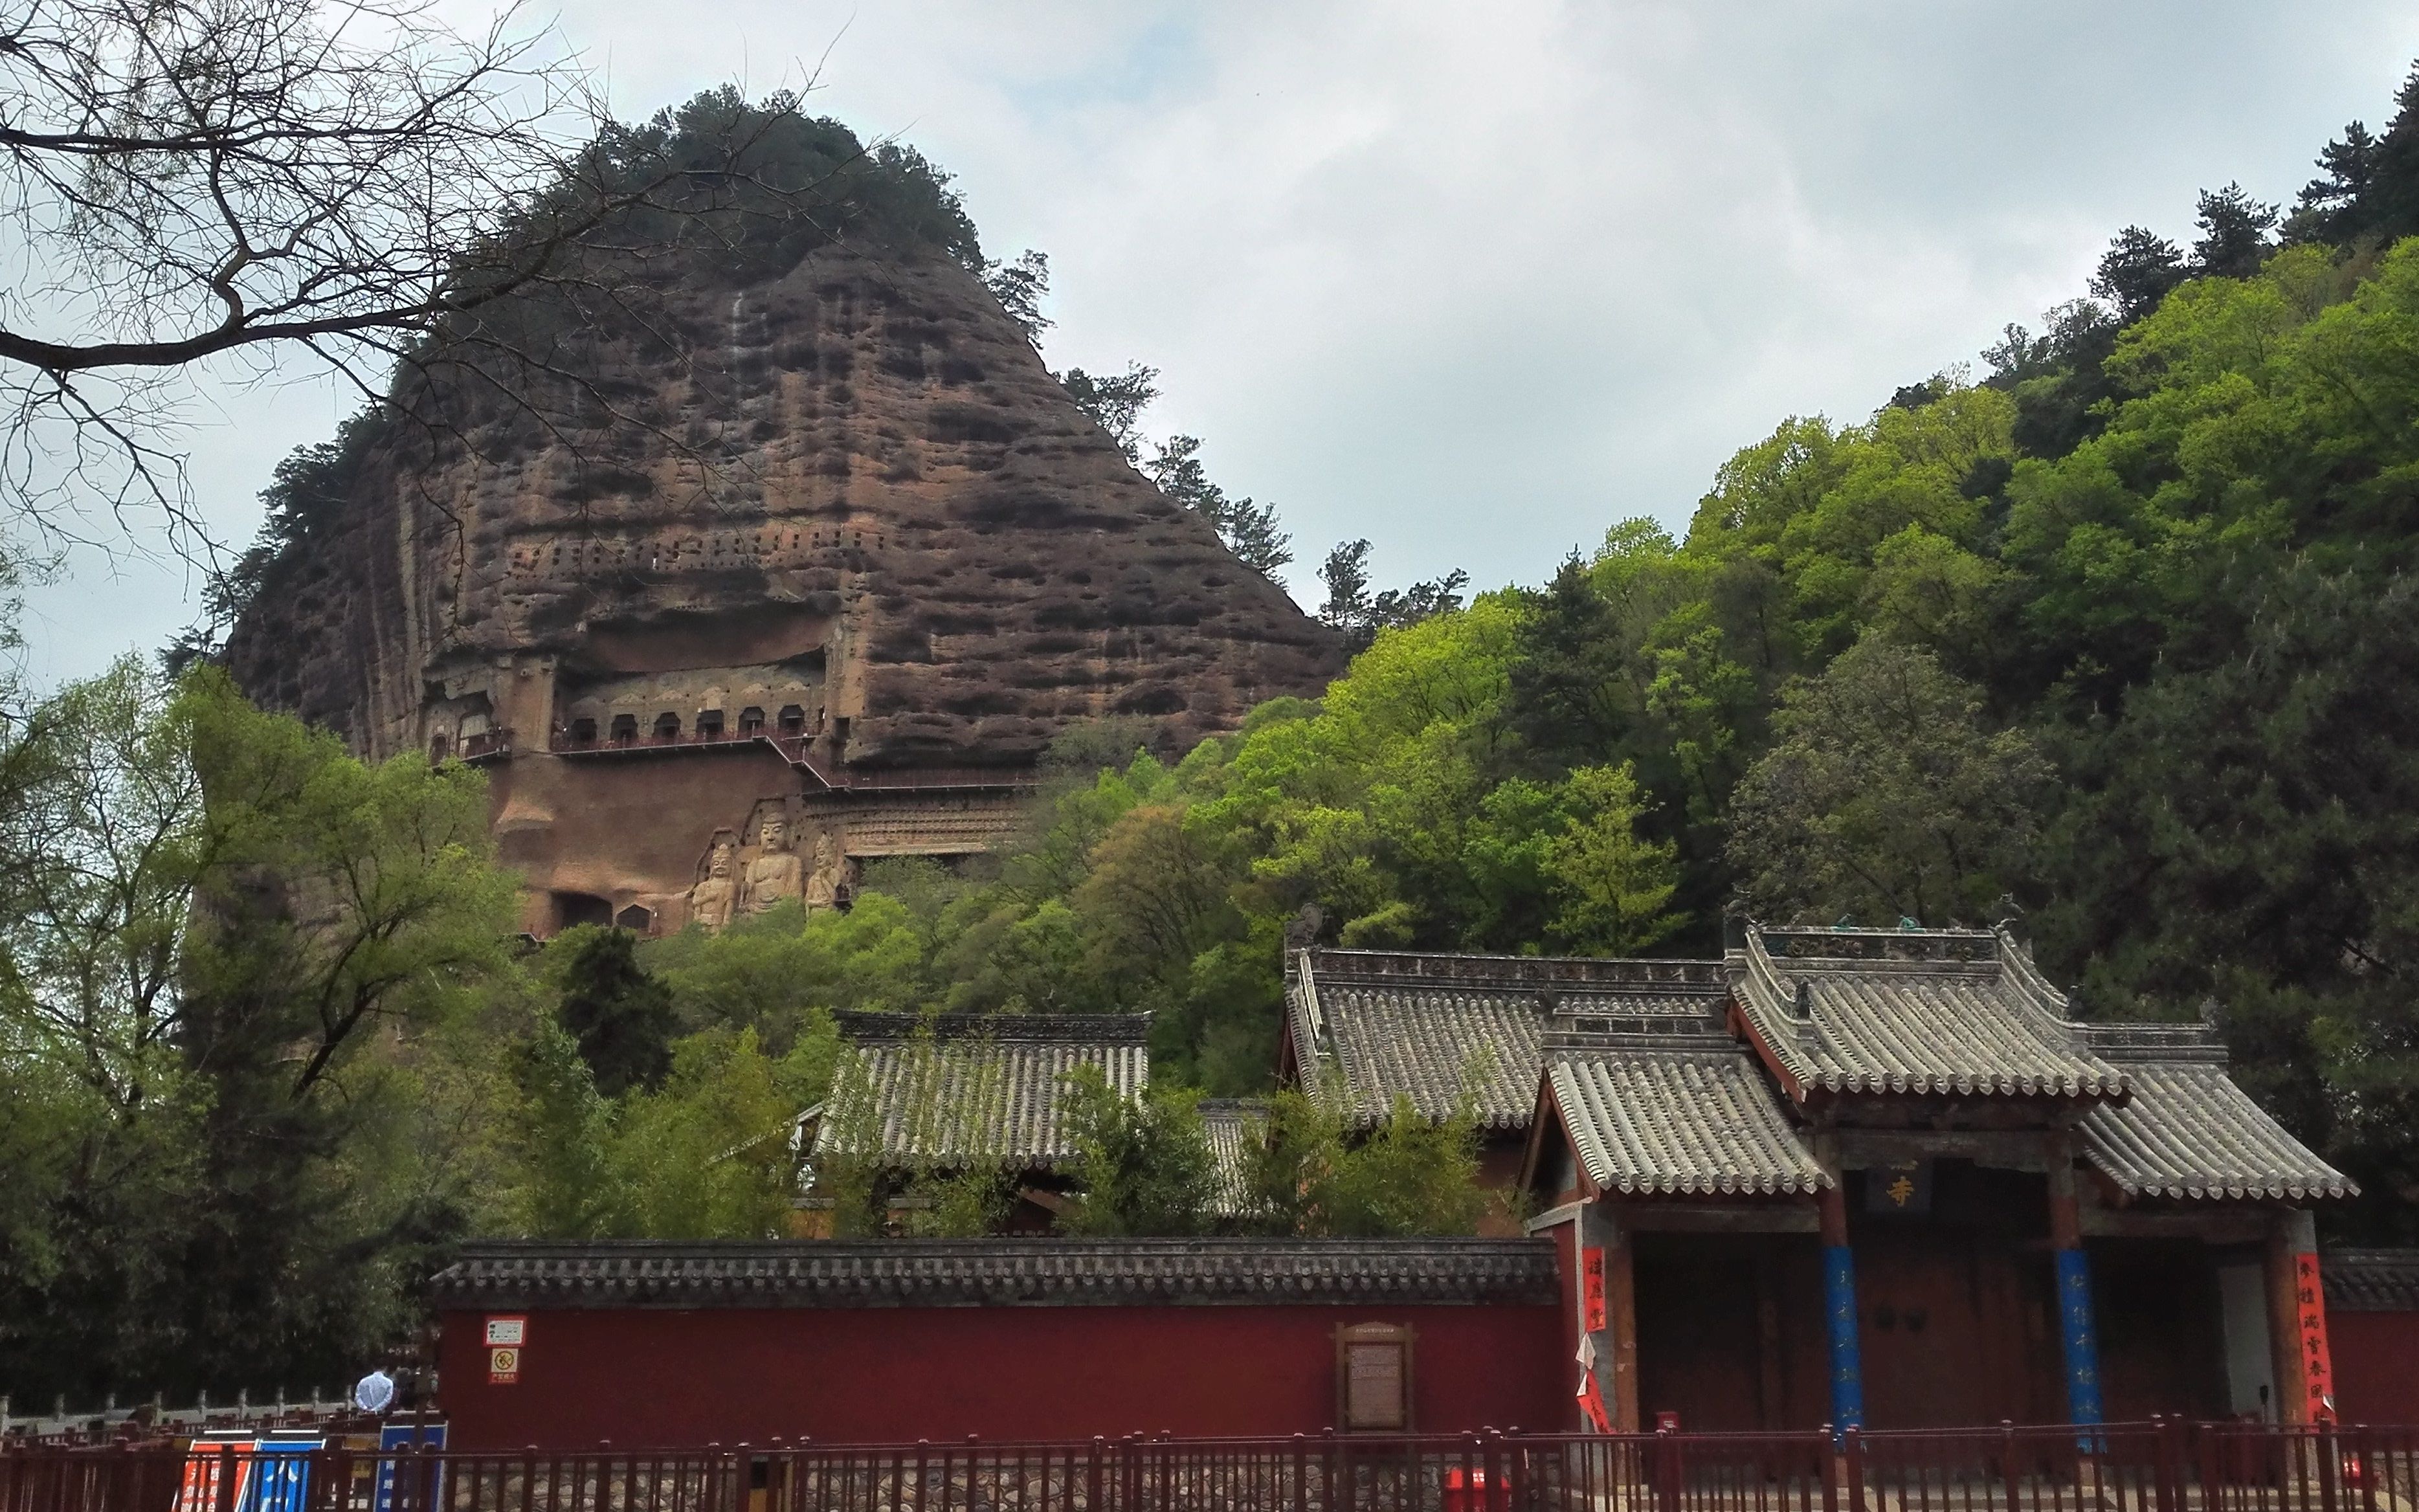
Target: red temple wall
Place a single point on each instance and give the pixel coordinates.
(649, 1377)
(2376, 1360)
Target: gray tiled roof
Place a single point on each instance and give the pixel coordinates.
(1688, 1114)
(2371, 1280)
(1233, 1125)
(1437, 1028)
(1916, 1011)
(963, 1088)
(942, 1272)
(2187, 1130)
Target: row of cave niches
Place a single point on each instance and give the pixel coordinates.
(585, 734)
(622, 730)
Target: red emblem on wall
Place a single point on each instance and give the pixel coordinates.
(1592, 1288)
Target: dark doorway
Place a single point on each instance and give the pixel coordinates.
(626, 729)
(2162, 1329)
(574, 908)
(635, 918)
(1729, 1331)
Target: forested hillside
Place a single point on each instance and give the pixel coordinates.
(2117, 638)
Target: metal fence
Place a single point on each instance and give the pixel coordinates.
(2169, 1466)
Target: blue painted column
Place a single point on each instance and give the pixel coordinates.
(1840, 1312)
(2078, 1336)
(2078, 1332)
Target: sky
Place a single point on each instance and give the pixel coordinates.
(1474, 282)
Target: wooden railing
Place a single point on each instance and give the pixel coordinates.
(2138, 1467)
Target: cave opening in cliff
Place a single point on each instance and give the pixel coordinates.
(572, 908)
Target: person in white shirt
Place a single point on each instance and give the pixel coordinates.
(376, 1391)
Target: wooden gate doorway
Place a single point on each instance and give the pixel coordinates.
(1954, 1302)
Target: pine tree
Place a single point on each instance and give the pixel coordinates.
(2334, 206)
(2233, 233)
(621, 1016)
(2136, 272)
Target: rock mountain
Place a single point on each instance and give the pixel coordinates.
(821, 590)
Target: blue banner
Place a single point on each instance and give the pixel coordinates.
(2080, 1336)
(1839, 1309)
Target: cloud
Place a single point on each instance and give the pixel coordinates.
(1476, 282)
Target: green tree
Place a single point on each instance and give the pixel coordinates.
(246, 974)
(1145, 1165)
(1887, 797)
(1314, 1176)
(620, 1016)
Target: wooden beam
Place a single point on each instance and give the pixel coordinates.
(2005, 1150)
(2224, 1225)
(1784, 1217)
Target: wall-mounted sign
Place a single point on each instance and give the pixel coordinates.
(1592, 1288)
(1373, 1377)
(510, 1332)
(1899, 1187)
(2318, 1365)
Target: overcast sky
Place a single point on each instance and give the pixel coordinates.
(1477, 281)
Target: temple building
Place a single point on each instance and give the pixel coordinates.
(1857, 1176)
(1844, 1177)
(924, 1097)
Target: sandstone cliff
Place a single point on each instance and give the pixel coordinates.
(832, 543)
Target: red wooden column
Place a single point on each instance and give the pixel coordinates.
(1621, 1319)
(2297, 1321)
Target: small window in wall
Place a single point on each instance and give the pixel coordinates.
(439, 747)
(709, 724)
(752, 723)
(666, 726)
(626, 729)
(636, 920)
(794, 720)
(1373, 1377)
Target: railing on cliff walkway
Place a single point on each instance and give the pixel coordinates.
(2160, 1466)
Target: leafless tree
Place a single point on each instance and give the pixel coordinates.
(196, 190)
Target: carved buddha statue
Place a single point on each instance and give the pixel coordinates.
(710, 901)
(774, 874)
(822, 884)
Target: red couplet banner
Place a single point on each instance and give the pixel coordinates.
(2318, 1366)
(1592, 1287)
